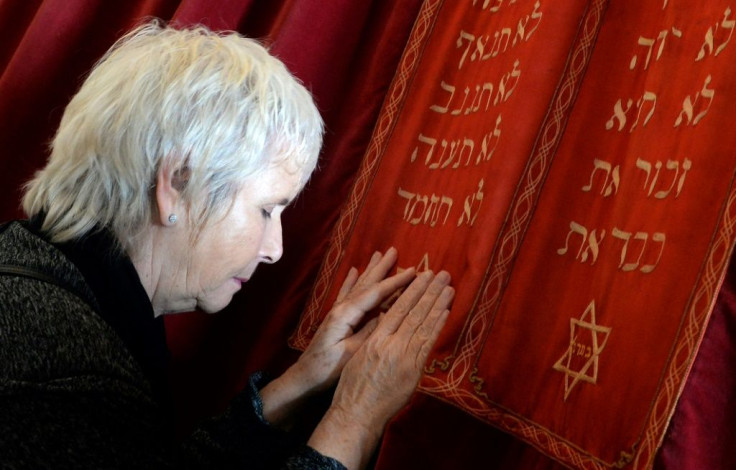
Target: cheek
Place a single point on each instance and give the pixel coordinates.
(226, 251)
(232, 254)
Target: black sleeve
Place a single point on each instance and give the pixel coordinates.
(101, 422)
(265, 447)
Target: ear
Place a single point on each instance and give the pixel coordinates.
(171, 180)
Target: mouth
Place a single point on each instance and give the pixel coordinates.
(240, 280)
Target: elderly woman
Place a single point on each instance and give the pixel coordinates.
(164, 191)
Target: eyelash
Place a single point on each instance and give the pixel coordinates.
(266, 213)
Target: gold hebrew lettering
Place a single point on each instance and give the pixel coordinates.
(430, 214)
(648, 43)
(496, 5)
(625, 236)
(648, 102)
(487, 87)
(575, 228)
(494, 8)
(520, 30)
(686, 165)
(486, 150)
(480, 45)
(648, 98)
(660, 238)
(689, 105)
(708, 46)
(504, 91)
(433, 212)
(470, 146)
(643, 237)
(708, 94)
(646, 167)
(424, 209)
(726, 24)
(619, 114)
(589, 243)
(536, 15)
(457, 111)
(409, 196)
(610, 171)
(500, 37)
(418, 218)
(592, 247)
(443, 109)
(470, 210)
(464, 36)
(475, 103)
(454, 147)
(425, 140)
(672, 165)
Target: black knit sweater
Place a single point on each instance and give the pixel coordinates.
(81, 372)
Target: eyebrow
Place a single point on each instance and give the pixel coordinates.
(282, 202)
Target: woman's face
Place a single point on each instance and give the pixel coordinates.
(229, 249)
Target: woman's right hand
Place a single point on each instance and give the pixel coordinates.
(337, 338)
(379, 379)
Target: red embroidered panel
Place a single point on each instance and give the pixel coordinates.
(570, 163)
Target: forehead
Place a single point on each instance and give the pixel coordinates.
(294, 158)
(277, 182)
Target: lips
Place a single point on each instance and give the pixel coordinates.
(240, 280)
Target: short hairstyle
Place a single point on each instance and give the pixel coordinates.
(217, 102)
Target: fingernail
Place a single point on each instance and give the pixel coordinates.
(444, 277)
(449, 292)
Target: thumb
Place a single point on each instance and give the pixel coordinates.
(359, 338)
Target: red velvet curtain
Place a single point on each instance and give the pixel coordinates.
(345, 52)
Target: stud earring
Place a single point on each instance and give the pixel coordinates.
(172, 218)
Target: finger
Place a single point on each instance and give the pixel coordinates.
(406, 301)
(371, 297)
(435, 299)
(378, 267)
(426, 330)
(348, 284)
(359, 338)
(426, 343)
(426, 334)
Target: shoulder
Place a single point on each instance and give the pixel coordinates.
(49, 330)
(21, 247)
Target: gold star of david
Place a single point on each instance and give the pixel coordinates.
(582, 349)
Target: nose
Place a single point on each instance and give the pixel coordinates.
(272, 247)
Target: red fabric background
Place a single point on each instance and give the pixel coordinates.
(496, 380)
(346, 52)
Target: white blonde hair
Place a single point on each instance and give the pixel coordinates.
(217, 103)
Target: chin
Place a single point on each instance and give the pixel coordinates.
(213, 306)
